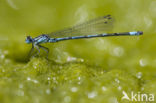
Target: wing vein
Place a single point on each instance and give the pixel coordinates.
(94, 26)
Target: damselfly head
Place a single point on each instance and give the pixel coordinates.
(29, 39)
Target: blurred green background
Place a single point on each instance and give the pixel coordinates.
(79, 71)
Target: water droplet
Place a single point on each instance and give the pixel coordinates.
(104, 88)
(54, 78)
(142, 88)
(35, 81)
(71, 59)
(102, 72)
(64, 93)
(20, 85)
(60, 67)
(92, 94)
(49, 78)
(67, 99)
(81, 60)
(78, 82)
(2, 56)
(3, 70)
(118, 51)
(65, 78)
(79, 78)
(143, 62)
(28, 78)
(139, 75)
(35, 65)
(117, 80)
(119, 87)
(113, 100)
(48, 91)
(6, 52)
(74, 89)
(20, 93)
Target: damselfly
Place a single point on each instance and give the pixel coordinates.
(90, 29)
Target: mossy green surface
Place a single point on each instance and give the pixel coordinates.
(96, 70)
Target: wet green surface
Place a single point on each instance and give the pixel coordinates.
(79, 71)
